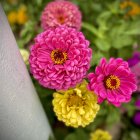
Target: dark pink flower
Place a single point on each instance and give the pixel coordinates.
(136, 70)
(137, 103)
(60, 57)
(134, 60)
(113, 81)
(134, 64)
(61, 13)
(136, 118)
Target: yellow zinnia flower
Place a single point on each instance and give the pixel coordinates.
(12, 17)
(134, 8)
(76, 107)
(22, 15)
(100, 135)
(25, 55)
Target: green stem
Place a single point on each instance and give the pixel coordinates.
(89, 27)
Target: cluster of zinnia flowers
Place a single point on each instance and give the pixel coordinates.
(60, 58)
(100, 135)
(18, 17)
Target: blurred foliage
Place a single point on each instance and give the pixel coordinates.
(112, 33)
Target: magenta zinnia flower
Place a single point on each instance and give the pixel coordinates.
(61, 13)
(134, 64)
(137, 103)
(113, 81)
(60, 58)
(136, 118)
(136, 70)
(134, 60)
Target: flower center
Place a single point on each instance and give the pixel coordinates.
(58, 57)
(61, 19)
(74, 100)
(112, 82)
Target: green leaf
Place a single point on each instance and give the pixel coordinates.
(79, 134)
(104, 16)
(114, 117)
(71, 137)
(117, 30)
(125, 52)
(28, 29)
(102, 44)
(51, 138)
(133, 28)
(61, 132)
(134, 136)
(39, 2)
(133, 32)
(114, 7)
(97, 7)
(102, 19)
(89, 27)
(121, 41)
(28, 37)
(130, 107)
(20, 43)
(96, 58)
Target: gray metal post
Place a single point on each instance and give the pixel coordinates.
(21, 114)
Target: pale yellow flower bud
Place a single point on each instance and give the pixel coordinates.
(100, 135)
(25, 55)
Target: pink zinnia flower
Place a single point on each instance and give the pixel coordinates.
(60, 58)
(113, 81)
(134, 64)
(61, 13)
